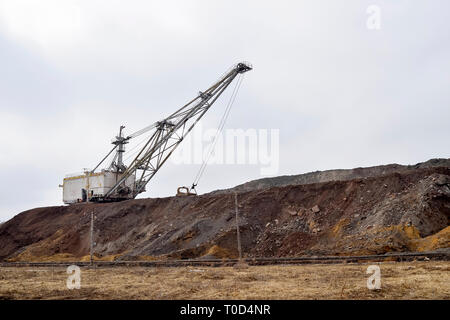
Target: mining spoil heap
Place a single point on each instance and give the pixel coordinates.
(373, 210)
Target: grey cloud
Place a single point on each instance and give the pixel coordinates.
(341, 95)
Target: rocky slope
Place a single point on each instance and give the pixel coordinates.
(334, 175)
(382, 210)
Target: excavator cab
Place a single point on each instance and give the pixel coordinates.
(185, 191)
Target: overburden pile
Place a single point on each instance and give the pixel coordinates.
(338, 212)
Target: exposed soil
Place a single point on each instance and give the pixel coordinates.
(386, 212)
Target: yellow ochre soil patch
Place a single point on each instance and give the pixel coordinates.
(435, 241)
(337, 229)
(112, 257)
(381, 240)
(219, 252)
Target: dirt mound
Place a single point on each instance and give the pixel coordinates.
(334, 175)
(401, 211)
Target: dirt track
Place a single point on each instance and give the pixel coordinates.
(400, 211)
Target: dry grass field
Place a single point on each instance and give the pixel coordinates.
(407, 280)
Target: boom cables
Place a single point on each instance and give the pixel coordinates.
(219, 131)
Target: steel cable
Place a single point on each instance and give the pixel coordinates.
(219, 130)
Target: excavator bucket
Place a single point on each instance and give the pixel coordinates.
(184, 191)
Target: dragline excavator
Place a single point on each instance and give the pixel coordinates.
(119, 181)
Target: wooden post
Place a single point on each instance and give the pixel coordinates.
(237, 227)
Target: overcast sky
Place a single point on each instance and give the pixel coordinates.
(342, 95)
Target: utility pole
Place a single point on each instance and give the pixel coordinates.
(92, 237)
(237, 227)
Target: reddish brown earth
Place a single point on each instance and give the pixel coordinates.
(403, 210)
